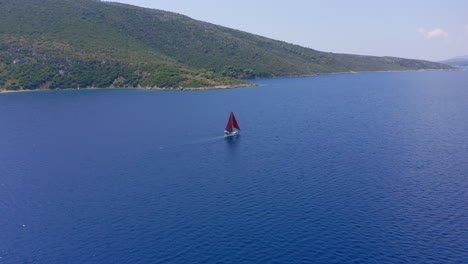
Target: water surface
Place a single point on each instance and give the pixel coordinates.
(356, 168)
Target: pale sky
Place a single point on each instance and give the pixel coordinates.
(430, 30)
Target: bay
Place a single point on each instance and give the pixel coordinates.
(352, 168)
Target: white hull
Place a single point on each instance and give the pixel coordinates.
(230, 134)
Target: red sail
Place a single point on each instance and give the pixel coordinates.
(229, 124)
(234, 121)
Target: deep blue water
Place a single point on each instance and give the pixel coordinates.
(356, 168)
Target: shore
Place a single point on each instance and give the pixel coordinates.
(232, 86)
(217, 87)
(356, 72)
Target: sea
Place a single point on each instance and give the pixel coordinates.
(347, 168)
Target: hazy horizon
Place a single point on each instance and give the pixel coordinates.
(428, 30)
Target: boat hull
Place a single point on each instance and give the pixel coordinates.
(231, 134)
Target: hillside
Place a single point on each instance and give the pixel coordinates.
(89, 43)
(459, 62)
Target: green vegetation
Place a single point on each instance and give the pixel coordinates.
(100, 75)
(88, 43)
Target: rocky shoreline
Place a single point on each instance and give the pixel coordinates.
(232, 86)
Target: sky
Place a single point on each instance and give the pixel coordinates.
(429, 30)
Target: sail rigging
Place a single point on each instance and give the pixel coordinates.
(231, 124)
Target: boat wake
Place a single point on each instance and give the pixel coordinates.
(194, 142)
(232, 124)
(205, 140)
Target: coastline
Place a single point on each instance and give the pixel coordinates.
(219, 87)
(356, 72)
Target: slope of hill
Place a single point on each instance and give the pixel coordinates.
(460, 62)
(89, 43)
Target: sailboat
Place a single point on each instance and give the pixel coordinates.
(231, 124)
